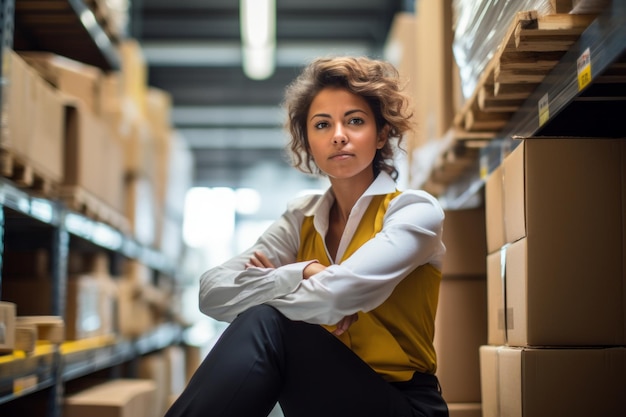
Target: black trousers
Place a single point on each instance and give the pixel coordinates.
(263, 357)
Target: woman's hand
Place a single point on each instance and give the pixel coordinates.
(312, 269)
(345, 323)
(260, 261)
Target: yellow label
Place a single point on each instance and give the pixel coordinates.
(583, 66)
(484, 167)
(544, 109)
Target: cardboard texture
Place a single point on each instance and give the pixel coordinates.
(89, 302)
(154, 367)
(494, 210)
(466, 242)
(7, 326)
(17, 98)
(91, 150)
(400, 50)
(34, 121)
(464, 410)
(134, 73)
(70, 77)
(116, 398)
(132, 304)
(461, 328)
(140, 208)
(525, 382)
(563, 217)
(434, 70)
(496, 325)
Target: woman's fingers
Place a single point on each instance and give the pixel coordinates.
(345, 323)
(260, 261)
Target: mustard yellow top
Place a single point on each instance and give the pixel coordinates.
(395, 338)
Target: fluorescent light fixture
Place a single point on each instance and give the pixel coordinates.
(258, 36)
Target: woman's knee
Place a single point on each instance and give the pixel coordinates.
(260, 317)
(260, 312)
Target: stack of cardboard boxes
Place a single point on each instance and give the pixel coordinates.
(103, 141)
(556, 280)
(103, 144)
(461, 321)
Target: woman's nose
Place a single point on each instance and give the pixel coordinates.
(340, 136)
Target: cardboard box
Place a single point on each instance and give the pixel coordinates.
(524, 382)
(400, 51)
(7, 326)
(70, 77)
(134, 73)
(564, 188)
(17, 100)
(434, 70)
(564, 204)
(496, 319)
(154, 367)
(549, 304)
(461, 328)
(89, 302)
(116, 398)
(466, 242)
(176, 360)
(141, 208)
(465, 410)
(90, 151)
(46, 150)
(33, 132)
(494, 210)
(132, 304)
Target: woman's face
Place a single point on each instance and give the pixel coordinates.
(342, 135)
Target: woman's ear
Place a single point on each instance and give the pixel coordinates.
(382, 137)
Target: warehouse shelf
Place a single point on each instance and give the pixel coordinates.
(84, 357)
(20, 201)
(29, 220)
(66, 27)
(565, 103)
(54, 214)
(21, 374)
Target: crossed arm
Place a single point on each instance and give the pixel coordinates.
(259, 260)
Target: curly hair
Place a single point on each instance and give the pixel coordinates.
(376, 81)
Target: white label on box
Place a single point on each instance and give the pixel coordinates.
(24, 384)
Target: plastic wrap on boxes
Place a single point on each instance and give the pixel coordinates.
(479, 27)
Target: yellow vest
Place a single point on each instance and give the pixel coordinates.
(396, 338)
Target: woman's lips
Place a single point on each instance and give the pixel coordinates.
(340, 156)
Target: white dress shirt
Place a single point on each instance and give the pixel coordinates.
(410, 237)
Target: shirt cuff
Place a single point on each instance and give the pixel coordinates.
(289, 277)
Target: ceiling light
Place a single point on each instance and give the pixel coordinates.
(258, 36)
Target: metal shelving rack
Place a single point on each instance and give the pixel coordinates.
(30, 24)
(51, 365)
(595, 110)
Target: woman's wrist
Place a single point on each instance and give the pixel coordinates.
(312, 268)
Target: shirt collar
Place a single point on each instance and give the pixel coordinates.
(383, 184)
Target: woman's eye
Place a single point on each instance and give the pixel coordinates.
(320, 125)
(356, 121)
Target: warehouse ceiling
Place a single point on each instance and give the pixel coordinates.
(234, 123)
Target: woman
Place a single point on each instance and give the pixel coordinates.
(333, 307)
